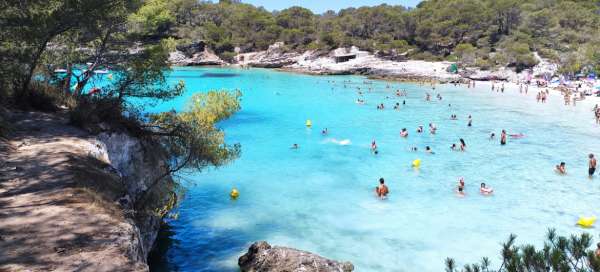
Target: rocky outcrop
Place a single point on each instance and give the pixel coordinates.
(274, 57)
(194, 54)
(261, 257)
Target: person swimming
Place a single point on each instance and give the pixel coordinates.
(294, 146)
(460, 190)
(324, 131)
(397, 106)
(420, 129)
(484, 190)
(404, 133)
(470, 121)
(382, 190)
(414, 149)
(463, 145)
(517, 136)
(453, 147)
(373, 146)
(492, 136)
(561, 168)
(428, 150)
(453, 117)
(432, 128)
(503, 137)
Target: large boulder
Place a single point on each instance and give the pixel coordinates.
(191, 48)
(261, 257)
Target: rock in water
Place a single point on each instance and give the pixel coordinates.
(261, 257)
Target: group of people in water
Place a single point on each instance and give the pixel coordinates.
(382, 189)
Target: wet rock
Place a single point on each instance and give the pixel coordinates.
(261, 257)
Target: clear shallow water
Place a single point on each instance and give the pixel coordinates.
(320, 197)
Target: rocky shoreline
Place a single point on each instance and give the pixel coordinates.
(351, 61)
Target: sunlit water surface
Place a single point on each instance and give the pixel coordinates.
(320, 197)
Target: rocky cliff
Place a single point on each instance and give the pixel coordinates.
(67, 197)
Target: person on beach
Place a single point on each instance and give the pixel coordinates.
(502, 90)
(382, 190)
(592, 165)
(503, 137)
(561, 168)
(463, 145)
(404, 133)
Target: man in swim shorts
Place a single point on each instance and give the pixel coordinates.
(592, 165)
(503, 137)
(381, 190)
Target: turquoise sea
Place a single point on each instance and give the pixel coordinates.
(320, 197)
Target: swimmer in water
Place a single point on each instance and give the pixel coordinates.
(463, 145)
(373, 146)
(484, 190)
(470, 121)
(460, 190)
(503, 137)
(382, 190)
(420, 129)
(428, 150)
(592, 165)
(414, 149)
(492, 136)
(325, 131)
(561, 168)
(432, 128)
(294, 146)
(404, 133)
(453, 147)
(397, 106)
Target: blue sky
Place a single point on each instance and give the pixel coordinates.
(320, 6)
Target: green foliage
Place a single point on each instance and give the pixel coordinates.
(191, 136)
(154, 16)
(434, 27)
(559, 253)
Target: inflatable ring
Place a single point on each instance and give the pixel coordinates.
(234, 193)
(308, 123)
(416, 163)
(586, 222)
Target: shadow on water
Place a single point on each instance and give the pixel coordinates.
(158, 261)
(206, 75)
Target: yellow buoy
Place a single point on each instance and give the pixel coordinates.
(308, 123)
(586, 222)
(416, 163)
(234, 193)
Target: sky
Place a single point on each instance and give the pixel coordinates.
(320, 6)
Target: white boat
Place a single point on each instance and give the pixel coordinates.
(101, 72)
(60, 70)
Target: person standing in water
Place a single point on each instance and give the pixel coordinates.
(592, 165)
(470, 121)
(382, 190)
(503, 137)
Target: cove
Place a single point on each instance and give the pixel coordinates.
(320, 197)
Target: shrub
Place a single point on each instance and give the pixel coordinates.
(564, 254)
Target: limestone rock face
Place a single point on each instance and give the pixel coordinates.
(194, 54)
(274, 57)
(261, 257)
